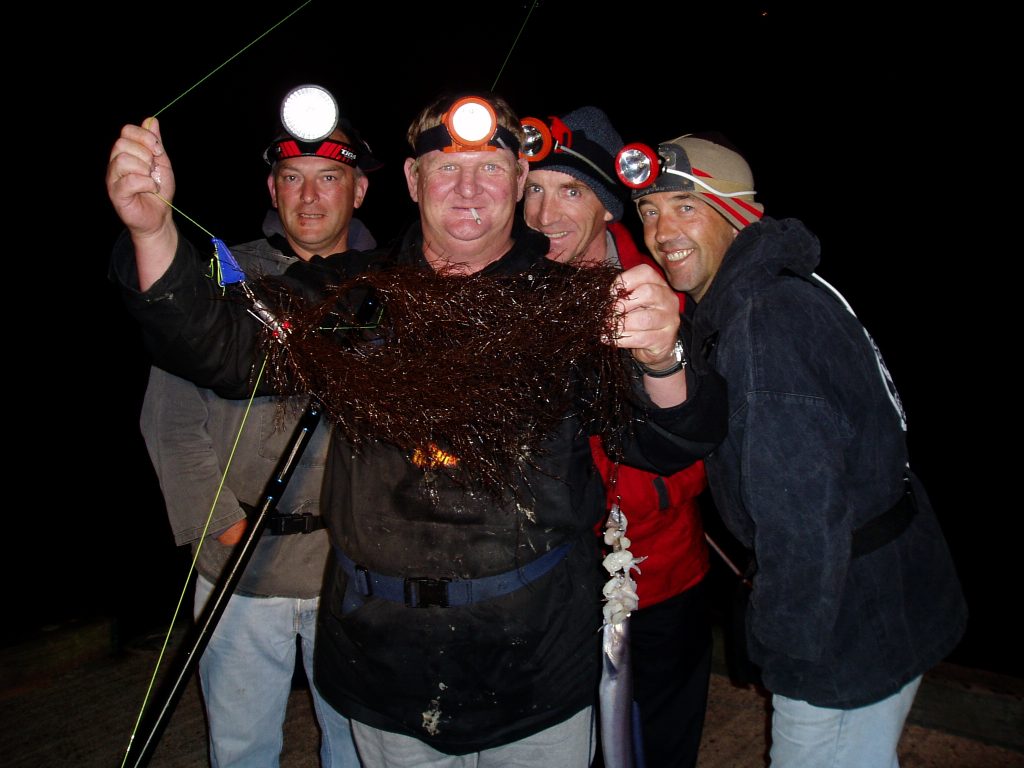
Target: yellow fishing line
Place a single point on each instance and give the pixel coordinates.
(213, 506)
(192, 567)
(230, 59)
(518, 35)
(183, 214)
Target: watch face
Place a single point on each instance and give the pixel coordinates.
(309, 113)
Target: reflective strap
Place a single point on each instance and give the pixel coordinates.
(423, 592)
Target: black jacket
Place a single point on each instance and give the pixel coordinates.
(816, 449)
(460, 678)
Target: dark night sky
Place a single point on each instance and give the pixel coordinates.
(844, 118)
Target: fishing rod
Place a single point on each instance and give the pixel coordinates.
(140, 751)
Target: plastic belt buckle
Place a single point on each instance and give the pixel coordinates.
(421, 592)
(283, 525)
(361, 576)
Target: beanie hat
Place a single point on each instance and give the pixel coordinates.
(595, 139)
(714, 173)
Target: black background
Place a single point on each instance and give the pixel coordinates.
(853, 121)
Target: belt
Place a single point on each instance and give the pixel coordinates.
(886, 527)
(422, 592)
(284, 525)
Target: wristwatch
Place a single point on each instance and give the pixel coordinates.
(678, 365)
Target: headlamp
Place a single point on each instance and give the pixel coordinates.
(470, 125)
(543, 138)
(538, 142)
(309, 113)
(638, 167)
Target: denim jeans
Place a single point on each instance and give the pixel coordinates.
(804, 735)
(570, 744)
(246, 675)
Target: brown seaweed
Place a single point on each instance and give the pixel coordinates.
(466, 372)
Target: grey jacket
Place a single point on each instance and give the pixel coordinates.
(816, 449)
(190, 433)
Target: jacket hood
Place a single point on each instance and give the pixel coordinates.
(760, 253)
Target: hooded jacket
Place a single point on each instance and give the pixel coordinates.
(816, 450)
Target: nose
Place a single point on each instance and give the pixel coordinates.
(308, 191)
(548, 212)
(665, 229)
(468, 186)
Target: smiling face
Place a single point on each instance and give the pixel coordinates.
(467, 203)
(569, 214)
(315, 198)
(687, 237)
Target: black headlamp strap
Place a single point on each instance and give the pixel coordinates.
(328, 148)
(439, 137)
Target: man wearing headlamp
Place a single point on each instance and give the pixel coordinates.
(247, 667)
(575, 200)
(453, 622)
(854, 592)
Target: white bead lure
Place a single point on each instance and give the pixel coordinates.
(615, 699)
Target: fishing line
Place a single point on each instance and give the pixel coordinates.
(514, 42)
(213, 506)
(236, 55)
(191, 570)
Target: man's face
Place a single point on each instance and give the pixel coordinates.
(687, 237)
(315, 197)
(455, 189)
(569, 213)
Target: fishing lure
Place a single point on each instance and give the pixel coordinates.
(615, 700)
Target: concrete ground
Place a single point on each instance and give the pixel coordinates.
(68, 699)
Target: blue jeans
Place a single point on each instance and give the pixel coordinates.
(804, 735)
(246, 674)
(570, 744)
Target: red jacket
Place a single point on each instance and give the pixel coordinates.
(663, 520)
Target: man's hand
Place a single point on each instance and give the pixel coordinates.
(140, 184)
(649, 316)
(232, 535)
(648, 327)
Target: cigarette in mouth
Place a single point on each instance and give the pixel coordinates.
(475, 215)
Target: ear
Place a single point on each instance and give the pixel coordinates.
(524, 171)
(412, 177)
(273, 189)
(362, 184)
(608, 215)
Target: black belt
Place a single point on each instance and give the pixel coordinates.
(422, 592)
(888, 526)
(300, 522)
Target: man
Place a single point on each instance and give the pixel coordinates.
(573, 198)
(454, 621)
(247, 668)
(855, 594)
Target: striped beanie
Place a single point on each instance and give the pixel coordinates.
(713, 173)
